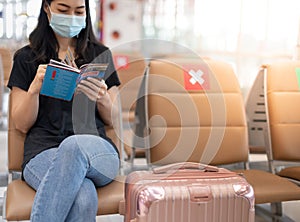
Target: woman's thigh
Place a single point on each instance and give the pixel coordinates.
(102, 158)
(37, 167)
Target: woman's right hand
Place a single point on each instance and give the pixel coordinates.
(36, 84)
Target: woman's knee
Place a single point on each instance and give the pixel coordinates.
(82, 143)
(70, 147)
(89, 145)
(71, 142)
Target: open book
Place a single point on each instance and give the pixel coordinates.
(60, 79)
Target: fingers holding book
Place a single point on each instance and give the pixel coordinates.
(93, 88)
(36, 84)
(102, 90)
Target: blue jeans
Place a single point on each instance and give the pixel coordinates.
(65, 178)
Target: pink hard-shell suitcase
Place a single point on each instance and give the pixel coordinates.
(188, 192)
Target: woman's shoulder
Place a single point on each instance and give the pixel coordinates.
(98, 48)
(24, 53)
(100, 52)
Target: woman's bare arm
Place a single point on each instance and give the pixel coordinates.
(26, 103)
(107, 106)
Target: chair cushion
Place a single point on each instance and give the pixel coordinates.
(20, 198)
(270, 188)
(110, 196)
(291, 172)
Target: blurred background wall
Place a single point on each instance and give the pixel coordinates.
(245, 33)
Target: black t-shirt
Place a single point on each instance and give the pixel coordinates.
(58, 119)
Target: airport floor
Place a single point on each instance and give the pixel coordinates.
(290, 209)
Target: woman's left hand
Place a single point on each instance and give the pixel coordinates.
(95, 89)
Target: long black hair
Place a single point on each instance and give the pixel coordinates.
(43, 41)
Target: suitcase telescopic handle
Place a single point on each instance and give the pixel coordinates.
(185, 165)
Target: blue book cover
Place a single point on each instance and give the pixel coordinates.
(60, 80)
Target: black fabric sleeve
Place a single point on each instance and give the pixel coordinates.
(23, 70)
(111, 76)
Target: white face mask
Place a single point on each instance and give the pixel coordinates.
(67, 25)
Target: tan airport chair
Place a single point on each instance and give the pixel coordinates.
(282, 85)
(19, 196)
(6, 58)
(256, 115)
(5, 69)
(207, 126)
(131, 67)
